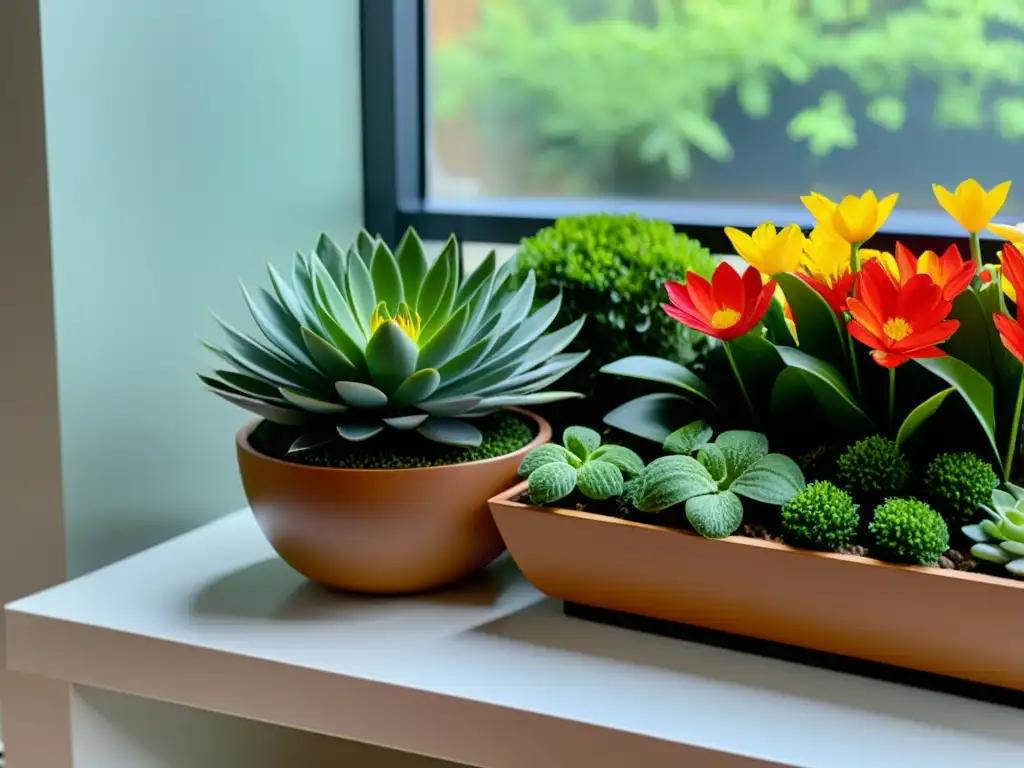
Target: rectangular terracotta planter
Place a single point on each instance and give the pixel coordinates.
(962, 625)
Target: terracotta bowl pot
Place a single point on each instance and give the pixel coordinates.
(380, 531)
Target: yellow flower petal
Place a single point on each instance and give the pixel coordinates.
(947, 201)
(744, 246)
(885, 206)
(995, 199)
(1015, 234)
(970, 205)
(820, 207)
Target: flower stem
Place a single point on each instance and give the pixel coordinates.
(739, 379)
(853, 366)
(855, 258)
(892, 401)
(976, 249)
(1014, 429)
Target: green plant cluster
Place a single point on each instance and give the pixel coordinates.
(908, 530)
(873, 468)
(999, 538)
(503, 433)
(600, 472)
(957, 484)
(612, 269)
(821, 516)
(587, 83)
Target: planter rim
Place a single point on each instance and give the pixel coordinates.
(543, 435)
(506, 498)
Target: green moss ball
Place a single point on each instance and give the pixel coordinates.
(957, 484)
(821, 516)
(872, 469)
(909, 531)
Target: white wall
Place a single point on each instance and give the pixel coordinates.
(189, 142)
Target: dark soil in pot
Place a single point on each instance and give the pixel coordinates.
(503, 433)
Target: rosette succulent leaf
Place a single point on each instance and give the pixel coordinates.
(1000, 537)
(367, 339)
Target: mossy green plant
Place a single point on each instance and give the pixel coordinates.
(872, 469)
(821, 516)
(503, 433)
(909, 531)
(957, 484)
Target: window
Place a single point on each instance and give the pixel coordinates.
(490, 118)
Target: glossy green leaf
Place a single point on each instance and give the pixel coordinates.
(817, 327)
(689, 438)
(551, 344)
(327, 294)
(451, 432)
(551, 482)
(599, 480)
(758, 364)
(672, 480)
(838, 403)
(652, 417)
(357, 433)
(365, 245)
(332, 257)
(390, 356)
(268, 365)
(412, 265)
(387, 281)
(250, 385)
(302, 285)
(360, 395)
(975, 533)
(662, 371)
(541, 455)
(775, 323)
(924, 411)
(445, 300)
(450, 406)
(772, 479)
(477, 280)
(491, 404)
(268, 411)
(582, 441)
(279, 327)
(285, 294)
(311, 404)
(443, 343)
(314, 436)
(551, 371)
(435, 283)
(975, 390)
(361, 295)
(518, 308)
(406, 423)
(464, 362)
(991, 553)
(331, 361)
(417, 388)
(344, 343)
(715, 515)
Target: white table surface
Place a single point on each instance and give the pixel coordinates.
(489, 673)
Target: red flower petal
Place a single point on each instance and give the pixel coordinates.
(906, 261)
(958, 281)
(927, 336)
(689, 320)
(1011, 334)
(727, 287)
(752, 285)
(677, 292)
(701, 295)
(917, 296)
(877, 290)
(1013, 268)
(864, 336)
(888, 359)
(863, 315)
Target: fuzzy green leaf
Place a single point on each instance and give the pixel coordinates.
(663, 372)
(651, 417)
(452, 432)
(390, 356)
(741, 448)
(715, 515)
(772, 479)
(581, 440)
(672, 480)
(599, 480)
(551, 482)
(412, 265)
(713, 460)
(541, 455)
(417, 388)
(686, 440)
(628, 461)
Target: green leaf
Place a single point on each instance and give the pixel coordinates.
(328, 358)
(268, 411)
(302, 284)
(715, 515)
(759, 365)
(741, 449)
(249, 385)
(280, 328)
(1016, 567)
(443, 343)
(450, 406)
(387, 281)
(628, 461)
(285, 294)
(357, 433)
(438, 292)
(917, 417)
(551, 482)
(551, 344)
(975, 533)
(360, 395)
(599, 480)
(541, 455)
(263, 362)
(361, 296)
(331, 256)
(777, 329)
(412, 265)
(991, 553)
(490, 404)
(390, 356)
(672, 480)
(686, 440)
(581, 440)
(477, 280)
(772, 479)
(975, 390)
(651, 417)
(463, 362)
(417, 388)
(406, 423)
(837, 402)
(311, 404)
(1015, 548)
(820, 334)
(661, 371)
(452, 432)
(713, 460)
(1003, 501)
(364, 246)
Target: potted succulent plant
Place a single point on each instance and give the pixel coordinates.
(885, 519)
(389, 389)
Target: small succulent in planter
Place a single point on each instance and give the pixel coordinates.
(821, 516)
(599, 471)
(367, 339)
(958, 484)
(1000, 538)
(909, 531)
(736, 464)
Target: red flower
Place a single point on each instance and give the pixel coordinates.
(899, 322)
(725, 308)
(1010, 331)
(836, 293)
(950, 272)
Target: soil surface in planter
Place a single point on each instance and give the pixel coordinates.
(503, 433)
(761, 521)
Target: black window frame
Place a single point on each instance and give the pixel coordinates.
(392, 38)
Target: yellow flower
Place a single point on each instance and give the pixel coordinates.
(767, 250)
(971, 206)
(407, 320)
(886, 259)
(826, 256)
(1007, 286)
(854, 219)
(1013, 233)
